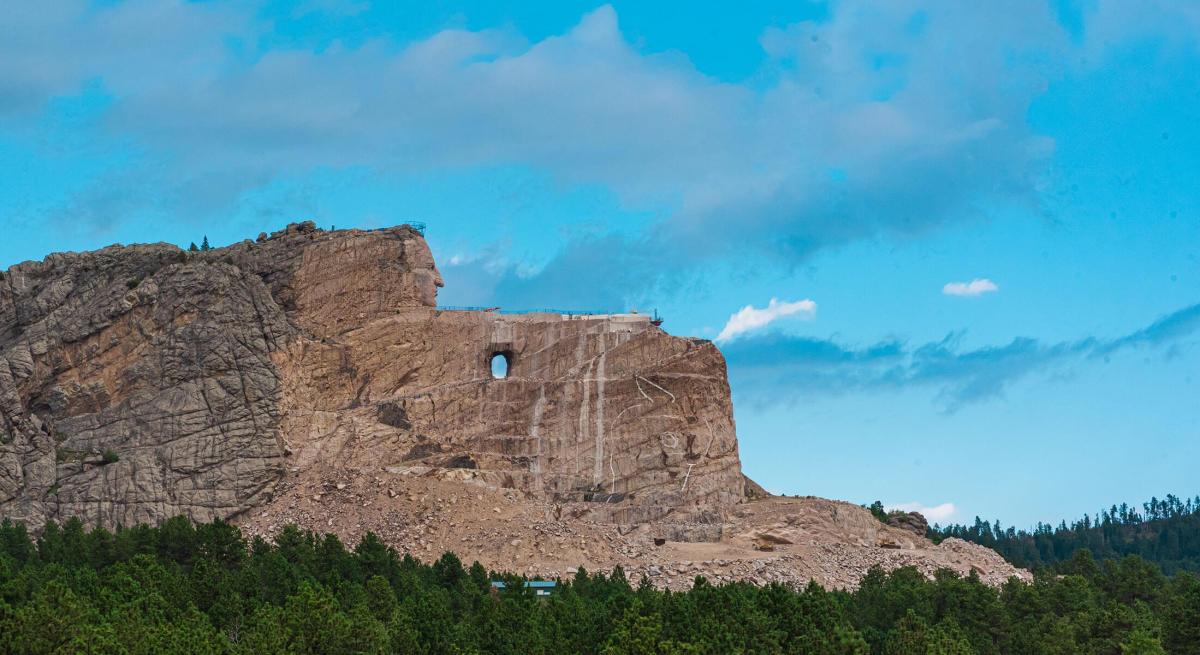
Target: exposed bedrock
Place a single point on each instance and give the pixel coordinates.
(609, 417)
(141, 382)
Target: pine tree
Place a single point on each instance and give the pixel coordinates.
(193, 248)
(1142, 642)
(204, 244)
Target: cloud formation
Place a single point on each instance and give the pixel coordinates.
(776, 368)
(935, 513)
(751, 318)
(890, 121)
(976, 287)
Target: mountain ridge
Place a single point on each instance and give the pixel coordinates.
(309, 377)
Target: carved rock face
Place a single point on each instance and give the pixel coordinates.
(141, 382)
(610, 416)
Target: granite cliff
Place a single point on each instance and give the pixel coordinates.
(309, 376)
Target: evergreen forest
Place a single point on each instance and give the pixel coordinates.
(205, 588)
(1165, 532)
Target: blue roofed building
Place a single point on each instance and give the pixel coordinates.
(540, 587)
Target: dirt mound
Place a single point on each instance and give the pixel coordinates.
(787, 540)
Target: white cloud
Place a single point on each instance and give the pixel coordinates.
(976, 287)
(769, 368)
(588, 105)
(925, 141)
(935, 513)
(750, 318)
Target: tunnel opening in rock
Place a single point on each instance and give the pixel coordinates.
(500, 363)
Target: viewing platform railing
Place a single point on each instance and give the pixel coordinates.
(498, 310)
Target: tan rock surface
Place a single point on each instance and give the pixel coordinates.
(308, 377)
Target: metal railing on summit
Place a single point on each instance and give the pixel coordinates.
(498, 310)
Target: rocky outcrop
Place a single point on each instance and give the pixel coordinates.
(913, 522)
(135, 384)
(309, 377)
(753, 490)
(142, 382)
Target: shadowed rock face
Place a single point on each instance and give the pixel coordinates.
(914, 522)
(137, 383)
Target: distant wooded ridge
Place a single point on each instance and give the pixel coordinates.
(1166, 532)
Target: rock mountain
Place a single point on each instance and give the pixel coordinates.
(309, 377)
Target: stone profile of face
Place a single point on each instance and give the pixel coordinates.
(425, 274)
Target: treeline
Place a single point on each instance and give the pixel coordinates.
(1166, 532)
(203, 588)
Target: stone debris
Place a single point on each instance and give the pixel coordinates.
(831, 542)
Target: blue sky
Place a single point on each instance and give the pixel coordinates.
(950, 249)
